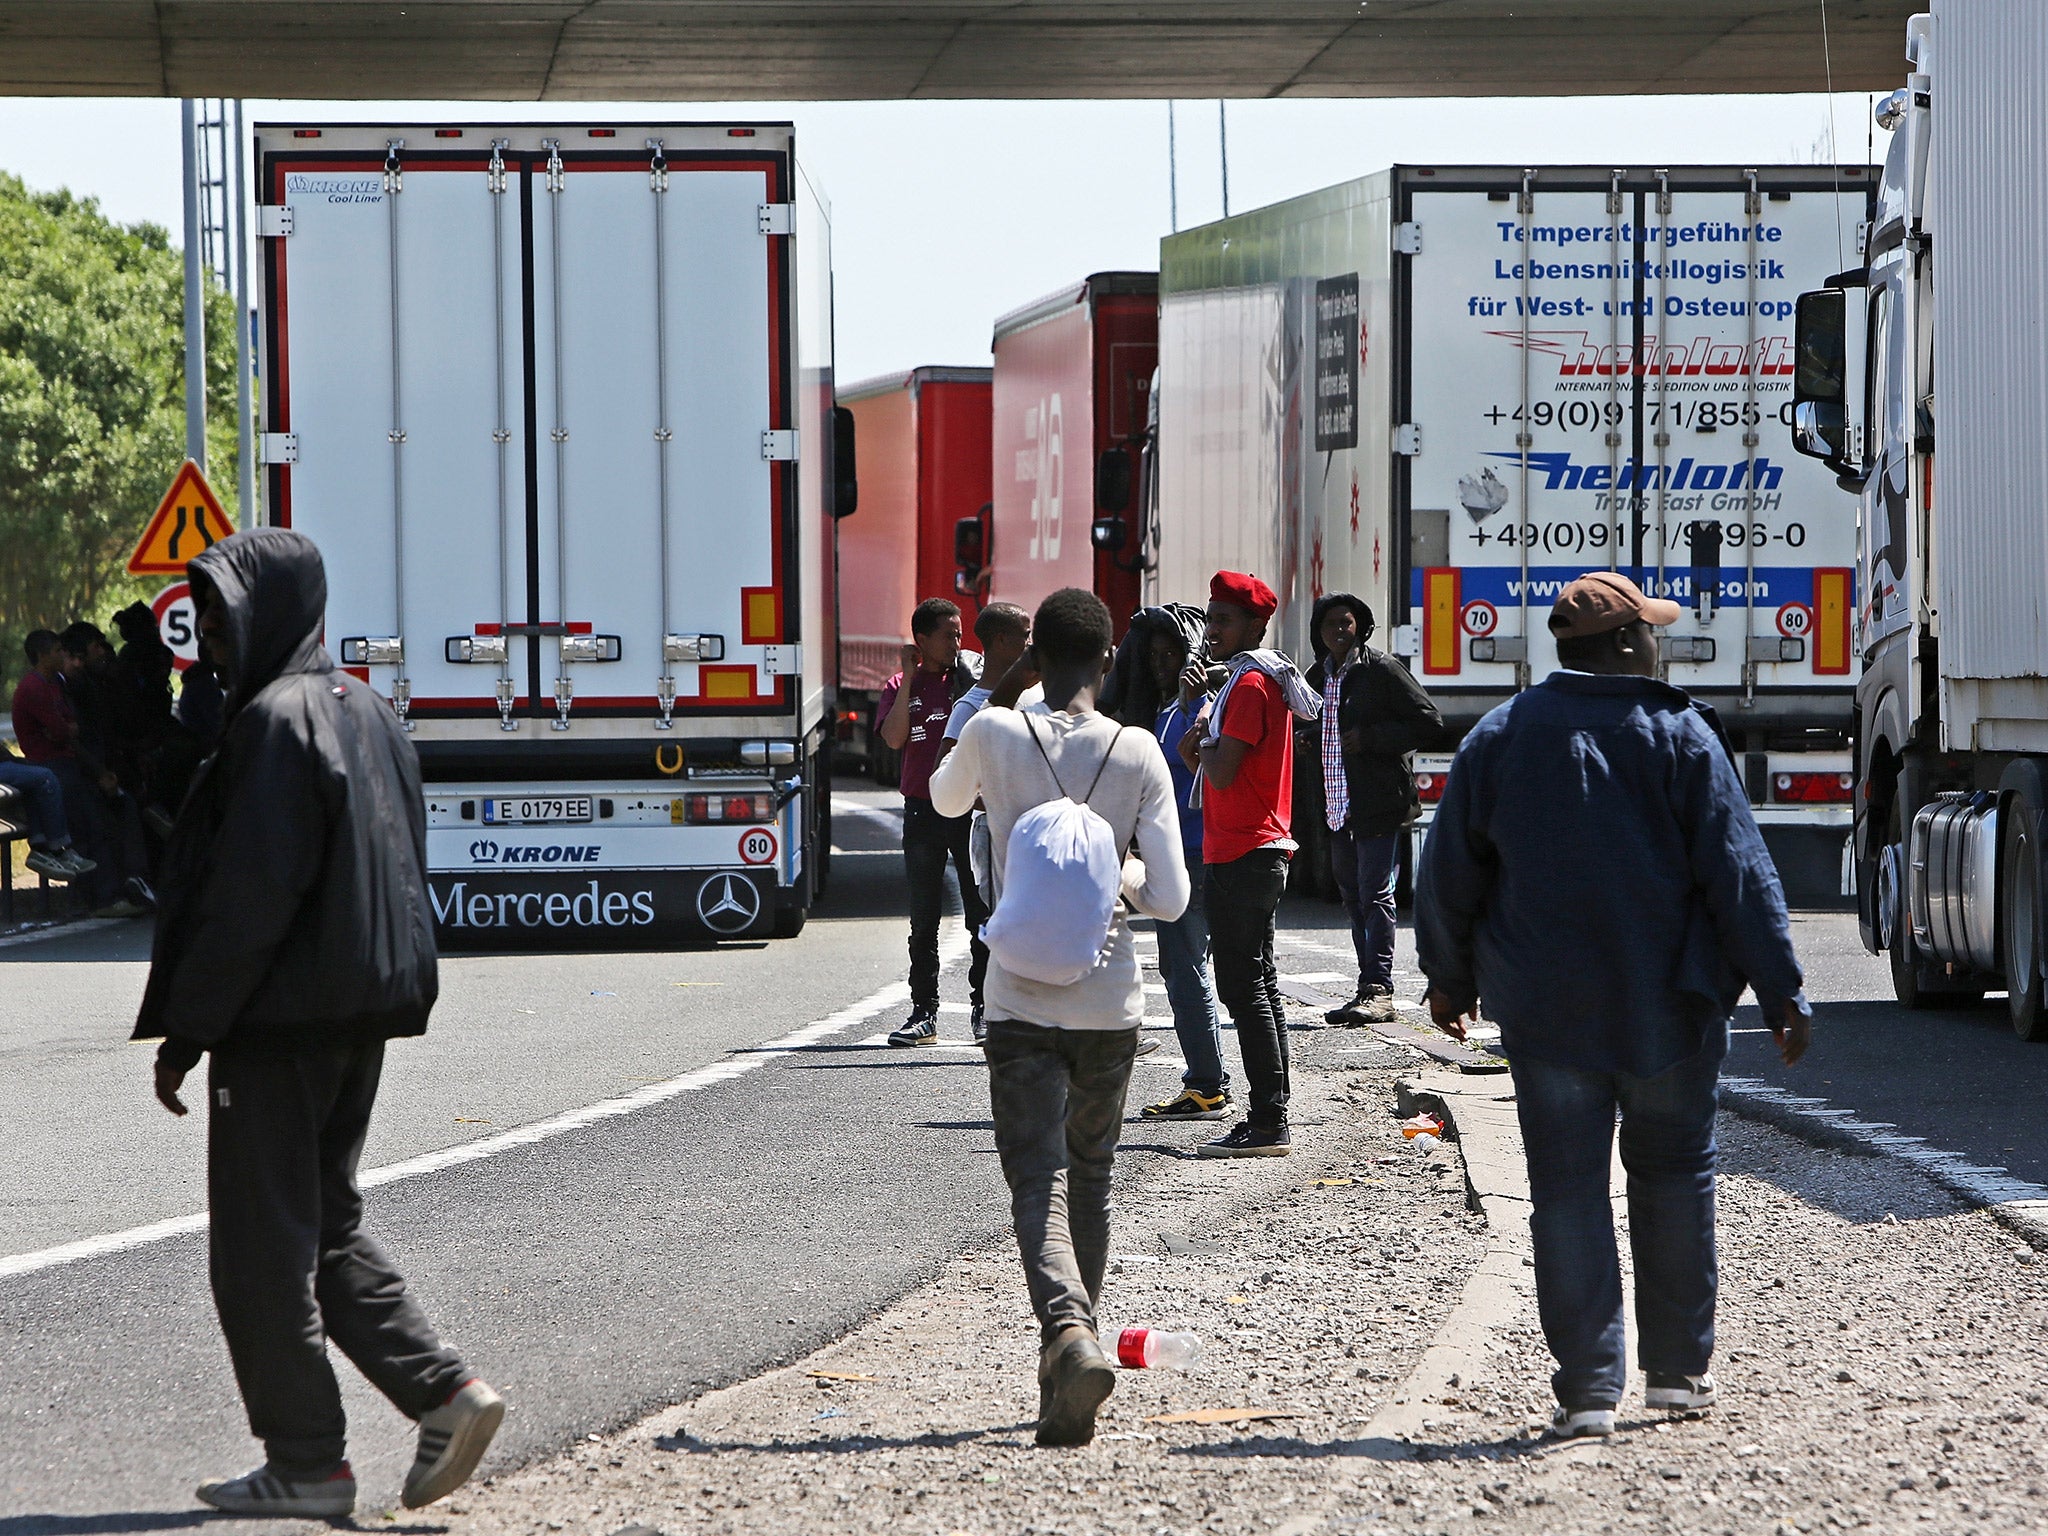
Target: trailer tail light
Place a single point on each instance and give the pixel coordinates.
(305, 133)
(1813, 788)
(1430, 786)
(1440, 647)
(713, 810)
(739, 133)
(604, 133)
(1833, 611)
(447, 133)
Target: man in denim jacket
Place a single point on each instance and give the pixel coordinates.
(1594, 872)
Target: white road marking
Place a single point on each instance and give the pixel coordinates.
(744, 1059)
(60, 930)
(889, 821)
(1315, 978)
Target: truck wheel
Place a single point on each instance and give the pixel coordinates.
(2020, 924)
(789, 921)
(1896, 918)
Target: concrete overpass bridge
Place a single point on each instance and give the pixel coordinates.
(719, 50)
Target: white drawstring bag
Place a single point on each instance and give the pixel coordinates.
(1062, 876)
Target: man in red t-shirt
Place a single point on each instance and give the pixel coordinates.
(1247, 784)
(913, 710)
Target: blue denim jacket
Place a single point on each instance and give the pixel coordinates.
(1594, 872)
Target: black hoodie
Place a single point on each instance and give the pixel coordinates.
(1391, 715)
(293, 911)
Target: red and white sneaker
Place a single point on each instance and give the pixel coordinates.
(264, 1492)
(453, 1439)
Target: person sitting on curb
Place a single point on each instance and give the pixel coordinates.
(1595, 873)
(1374, 715)
(1059, 1057)
(1242, 748)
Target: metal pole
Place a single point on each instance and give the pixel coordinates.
(1223, 153)
(245, 344)
(1172, 175)
(195, 295)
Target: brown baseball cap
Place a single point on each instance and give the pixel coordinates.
(1605, 600)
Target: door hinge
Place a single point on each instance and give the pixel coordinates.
(1408, 238)
(1408, 440)
(778, 443)
(275, 221)
(776, 218)
(277, 448)
(782, 660)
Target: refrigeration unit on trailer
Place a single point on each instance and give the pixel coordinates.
(924, 467)
(1073, 377)
(555, 403)
(1933, 409)
(1452, 390)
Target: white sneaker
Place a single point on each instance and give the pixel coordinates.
(1680, 1394)
(263, 1492)
(453, 1439)
(1577, 1423)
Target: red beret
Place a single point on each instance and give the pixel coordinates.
(1245, 590)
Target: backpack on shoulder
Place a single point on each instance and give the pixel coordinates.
(1062, 876)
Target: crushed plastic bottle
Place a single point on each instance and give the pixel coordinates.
(1423, 1142)
(1422, 1125)
(1152, 1349)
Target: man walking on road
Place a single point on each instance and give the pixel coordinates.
(296, 937)
(1242, 748)
(1594, 872)
(1059, 1057)
(1374, 715)
(914, 706)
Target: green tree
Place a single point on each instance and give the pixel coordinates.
(92, 405)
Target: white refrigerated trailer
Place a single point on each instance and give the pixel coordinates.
(1451, 390)
(555, 401)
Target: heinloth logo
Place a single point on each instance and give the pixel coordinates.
(484, 851)
(1561, 472)
(1581, 355)
(591, 907)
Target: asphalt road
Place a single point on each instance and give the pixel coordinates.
(775, 1193)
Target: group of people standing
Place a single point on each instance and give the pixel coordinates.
(105, 755)
(1594, 872)
(1229, 714)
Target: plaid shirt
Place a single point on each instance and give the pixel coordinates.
(1336, 789)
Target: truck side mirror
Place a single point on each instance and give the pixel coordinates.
(1112, 482)
(1107, 534)
(968, 543)
(1820, 418)
(845, 475)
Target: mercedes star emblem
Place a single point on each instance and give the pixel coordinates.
(728, 903)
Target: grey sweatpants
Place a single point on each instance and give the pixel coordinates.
(291, 1265)
(1057, 1098)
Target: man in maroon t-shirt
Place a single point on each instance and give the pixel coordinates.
(913, 709)
(1247, 784)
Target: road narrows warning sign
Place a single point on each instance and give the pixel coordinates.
(188, 520)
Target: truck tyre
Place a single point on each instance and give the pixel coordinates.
(1897, 916)
(2020, 922)
(789, 921)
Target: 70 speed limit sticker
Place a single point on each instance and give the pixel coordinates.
(757, 846)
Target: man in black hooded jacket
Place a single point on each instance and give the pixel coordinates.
(1374, 715)
(294, 938)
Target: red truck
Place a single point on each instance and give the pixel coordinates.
(924, 468)
(1073, 379)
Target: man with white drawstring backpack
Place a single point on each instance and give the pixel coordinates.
(1068, 792)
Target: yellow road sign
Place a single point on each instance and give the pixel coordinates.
(189, 519)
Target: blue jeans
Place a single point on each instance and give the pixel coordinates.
(1366, 868)
(1184, 963)
(47, 827)
(1667, 1149)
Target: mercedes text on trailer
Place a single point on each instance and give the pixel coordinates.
(1451, 390)
(1923, 383)
(924, 449)
(555, 403)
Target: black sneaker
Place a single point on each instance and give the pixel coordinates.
(136, 889)
(1189, 1105)
(1248, 1140)
(921, 1028)
(978, 1022)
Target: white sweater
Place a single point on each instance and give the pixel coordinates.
(995, 760)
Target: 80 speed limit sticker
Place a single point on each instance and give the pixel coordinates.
(1794, 620)
(757, 846)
